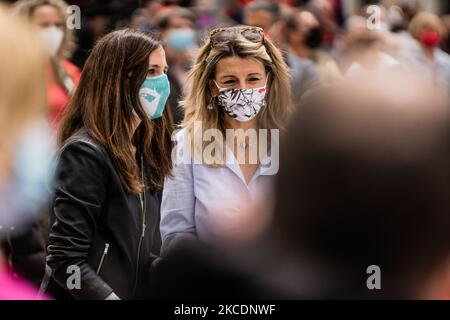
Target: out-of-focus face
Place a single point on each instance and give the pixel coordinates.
(153, 7)
(238, 73)
(259, 18)
(179, 38)
(47, 16)
(51, 24)
(324, 6)
(305, 22)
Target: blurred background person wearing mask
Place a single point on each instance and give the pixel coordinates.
(430, 60)
(176, 28)
(25, 157)
(371, 189)
(304, 36)
(330, 16)
(50, 17)
(268, 16)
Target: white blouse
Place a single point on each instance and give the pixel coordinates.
(198, 197)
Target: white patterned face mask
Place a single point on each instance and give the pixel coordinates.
(242, 104)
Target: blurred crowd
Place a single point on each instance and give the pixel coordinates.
(364, 138)
(320, 44)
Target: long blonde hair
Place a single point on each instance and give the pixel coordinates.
(22, 84)
(200, 95)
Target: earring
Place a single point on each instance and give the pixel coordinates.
(210, 104)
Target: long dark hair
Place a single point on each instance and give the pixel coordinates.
(104, 101)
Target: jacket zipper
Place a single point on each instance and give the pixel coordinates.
(143, 204)
(105, 252)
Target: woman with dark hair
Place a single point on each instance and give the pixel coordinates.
(115, 141)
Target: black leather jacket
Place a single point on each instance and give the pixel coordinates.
(111, 235)
(24, 249)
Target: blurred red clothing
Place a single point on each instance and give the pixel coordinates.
(57, 96)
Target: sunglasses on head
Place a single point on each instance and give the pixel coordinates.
(223, 35)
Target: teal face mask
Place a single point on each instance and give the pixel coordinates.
(153, 95)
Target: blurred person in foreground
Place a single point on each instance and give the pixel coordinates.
(364, 180)
(50, 17)
(430, 32)
(372, 176)
(25, 156)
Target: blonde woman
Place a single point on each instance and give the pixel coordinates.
(49, 17)
(239, 83)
